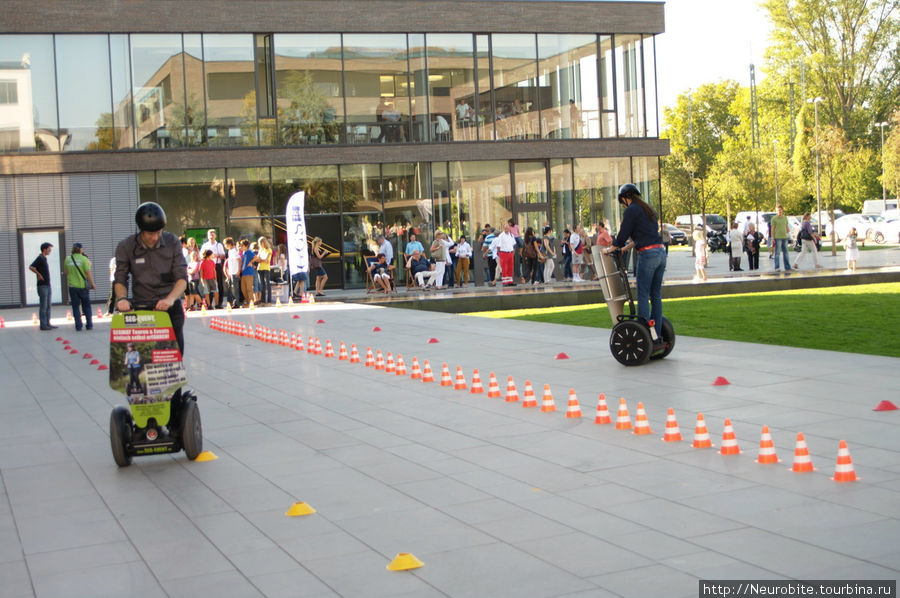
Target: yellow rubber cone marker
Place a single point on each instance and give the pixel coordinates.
(206, 456)
(404, 561)
(298, 509)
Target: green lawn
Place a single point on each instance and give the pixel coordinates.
(856, 319)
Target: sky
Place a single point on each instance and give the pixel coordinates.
(707, 41)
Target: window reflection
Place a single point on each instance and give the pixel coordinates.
(607, 88)
(597, 182)
(190, 113)
(85, 113)
(320, 183)
(377, 80)
(361, 187)
(451, 85)
(249, 192)
(122, 123)
(517, 95)
(192, 198)
(629, 85)
(480, 193)
(309, 89)
(29, 120)
(231, 105)
(157, 69)
(568, 69)
(407, 201)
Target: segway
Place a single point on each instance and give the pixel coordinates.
(145, 365)
(633, 340)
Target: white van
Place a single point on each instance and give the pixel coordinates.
(876, 206)
(687, 222)
(759, 219)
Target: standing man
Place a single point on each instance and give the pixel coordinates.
(78, 275)
(153, 260)
(41, 269)
(506, 246)
(780, 234)
(219, 256)
(384, 246)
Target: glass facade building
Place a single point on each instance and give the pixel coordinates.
(416, 119)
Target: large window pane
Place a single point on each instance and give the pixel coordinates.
(123, 128)
(146, 185)
(629, 86)
(157, 69)
(568, 70)
(192, 198)
(28, 115)
(377, 80)
(359, 232)
(309, 89)
(190, 112)
(407, 200)
(361, 188)
(319, 182)
(607, 88)
(480, 193)
(597, 182)
(85, 109)
(650, 86)
(249, 228)
(419, 123)
(451, 84)
(250, 192)
(562, 197)
(230, 89)
(645, 174)
(482, 119)
(517, 96)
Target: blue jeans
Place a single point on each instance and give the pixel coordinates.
(567, 266)
(265, 286)
(781, 247)
(81, 302)
(44, 308)
(651, 265)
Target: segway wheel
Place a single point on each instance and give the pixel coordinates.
(120, 434)
(668, 335)
(630, 343)
(191, 430)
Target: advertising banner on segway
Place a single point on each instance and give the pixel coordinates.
(145, 363)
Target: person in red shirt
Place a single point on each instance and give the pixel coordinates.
(208, 278)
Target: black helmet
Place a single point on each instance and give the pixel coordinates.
(150, 217)
(629, 190)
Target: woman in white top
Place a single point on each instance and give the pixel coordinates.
(463, 255)
(737, 246)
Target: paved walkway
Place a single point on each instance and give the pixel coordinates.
(495, 499)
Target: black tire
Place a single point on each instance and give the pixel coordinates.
(878, 237)
(191, 430)
(120, 434)
(668, 335)
(630, 343)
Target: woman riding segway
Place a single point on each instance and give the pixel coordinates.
(640, 225)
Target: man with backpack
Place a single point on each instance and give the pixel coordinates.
(81, 282)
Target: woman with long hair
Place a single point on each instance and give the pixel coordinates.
(264, 271)
(316, 253)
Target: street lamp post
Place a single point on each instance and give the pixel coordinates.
(815, 103)
(775, 157)
(883, 188)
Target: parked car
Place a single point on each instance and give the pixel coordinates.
(861, 222)
(687, 222)
(826, 220)
(886, 231)
(676, 235)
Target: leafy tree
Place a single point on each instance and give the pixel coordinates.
(892, 155)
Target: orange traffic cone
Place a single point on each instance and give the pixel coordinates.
(729, 441)
(602, 411)
(529, 399)
(99, 313)
(310, 345)
(370, 359)
(354, 354)
(673, 432)
(34, 318)
(379, 360)
(493, 387)
(460, 383)
(389, 365)
(446, 380)
(701, 434)
(427, 375)
(843, 470)
(342, 352)
(416, 373)
(574, 409)
(401, 367)
(802, 462)
(641, 425)
(623, 420)
(69, 317)
(329, 350)
(512, 395)
(477, 387)
(548, 405)
(766, 448)
(299, 346)
(318, 346)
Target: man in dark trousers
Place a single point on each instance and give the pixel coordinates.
(41, 268)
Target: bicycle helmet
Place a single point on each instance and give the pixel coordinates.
(150, 217)
(629, 190)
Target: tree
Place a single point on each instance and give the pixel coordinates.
(892, 156)
(848, 50)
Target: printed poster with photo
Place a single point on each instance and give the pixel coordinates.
(145, 363)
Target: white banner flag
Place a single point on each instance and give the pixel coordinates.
(298, 253)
